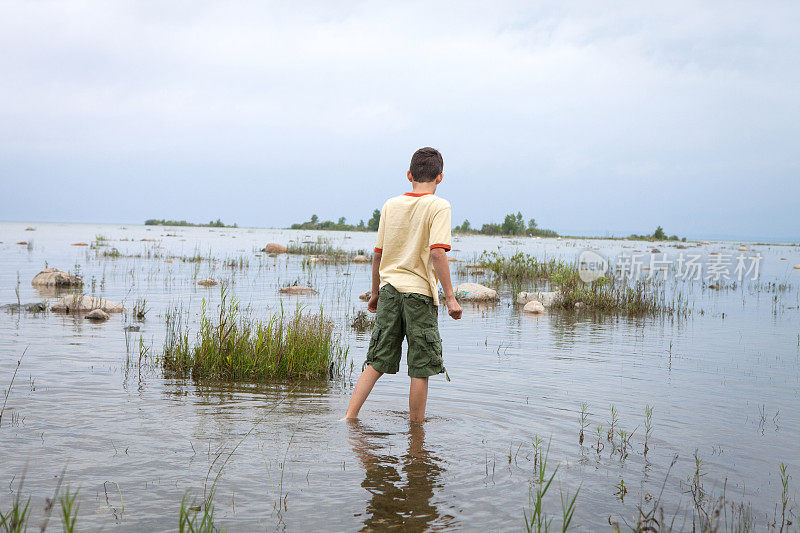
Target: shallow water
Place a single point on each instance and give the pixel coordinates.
(724, 382)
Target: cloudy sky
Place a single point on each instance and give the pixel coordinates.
(593, 117)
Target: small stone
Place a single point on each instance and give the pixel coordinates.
(97, 315)
(132, 327)
(207, 282)
(453, 259)
(534, 307)
(275, 248)
(655, 251)
(365, 296)
(797, 267)
(297, 289)
(578, 305)
(743, 248)
(79, 244)
(361, 259)
(168, 260)
(22, 243)
(30, 228)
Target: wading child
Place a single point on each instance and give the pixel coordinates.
(409, 259)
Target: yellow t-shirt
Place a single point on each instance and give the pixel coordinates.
(411, 225)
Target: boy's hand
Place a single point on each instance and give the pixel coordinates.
(372, 304)
(453, 307)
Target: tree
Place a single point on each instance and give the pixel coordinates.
(375, 220)
(342, 221)
(659, 234)
(314, 219)
(361, 224)
(466, 226)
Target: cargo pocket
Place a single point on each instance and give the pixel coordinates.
(374, 340)
(430, 349)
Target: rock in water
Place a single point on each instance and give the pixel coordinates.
(743, 248)
(297, 289)
(53, 277)
(81, 303)
(365, 296)
(275, 248)
(534, 307)
(98, 315)
(207, 282)
(797, 267)
(361, 259)
(545, 298)
(475, 292)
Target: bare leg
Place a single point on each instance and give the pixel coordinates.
(418, 399)
(364, 386)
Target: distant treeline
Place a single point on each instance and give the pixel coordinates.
(162, 222)
(341, 225)
(658, 235)
(512, 225)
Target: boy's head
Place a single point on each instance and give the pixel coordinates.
(426, 165)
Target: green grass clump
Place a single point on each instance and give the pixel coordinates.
(234, 347)
(607, 294)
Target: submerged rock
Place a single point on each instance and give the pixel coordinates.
(361, 259)
(475, 292)
(545, 298)
(207, 282)
(30, 228)
(98, 315)
(81, 303)
(35, 307)
(535, 307)
(79, 244)
(53, 277)
(297, 289)
(132, 327)
(275, 248)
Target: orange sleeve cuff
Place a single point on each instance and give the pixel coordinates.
(445, 247)
(379, 250)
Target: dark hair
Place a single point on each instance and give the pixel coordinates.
(426, 164)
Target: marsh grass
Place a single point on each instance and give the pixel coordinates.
(536, 519)
(233, 346)
(193, 518)
(607, 294)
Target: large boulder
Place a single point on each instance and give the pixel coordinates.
(53, 277)
(534, 307)
(545, 298)
(475, 292)
(81, 303)
(275, 248)
(297, 289)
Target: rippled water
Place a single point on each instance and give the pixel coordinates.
(723, 381)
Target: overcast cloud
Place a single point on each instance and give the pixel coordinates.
(592, 117)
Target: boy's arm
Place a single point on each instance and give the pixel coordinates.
(372, 304)
(442, 268)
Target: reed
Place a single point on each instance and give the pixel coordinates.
(232, 346)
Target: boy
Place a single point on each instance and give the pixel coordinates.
(413, 236)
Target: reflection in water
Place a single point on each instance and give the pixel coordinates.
(397, 504)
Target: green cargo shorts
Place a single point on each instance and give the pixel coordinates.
(409, 315)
